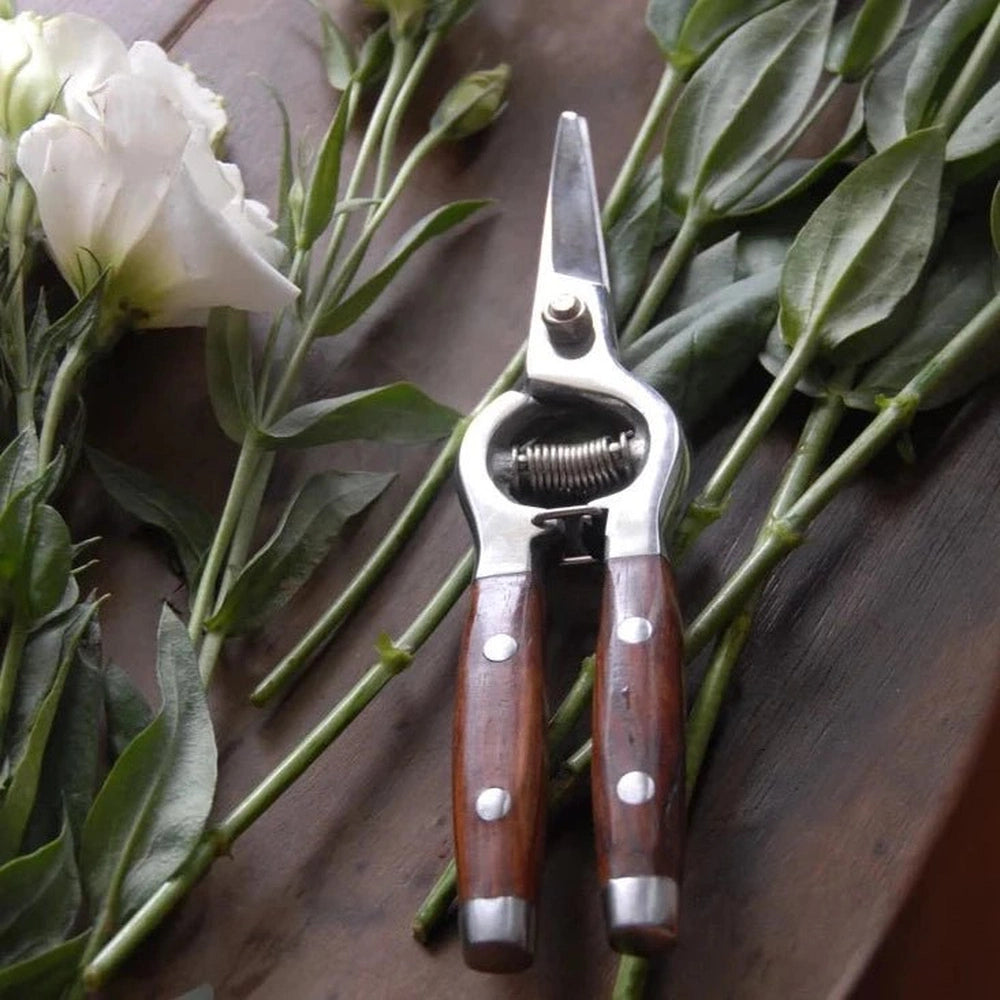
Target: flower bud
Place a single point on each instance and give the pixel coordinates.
(406, 17)
(28, 80)
(473, 103)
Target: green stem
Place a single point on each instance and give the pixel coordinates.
(64, 387)
(661, 282)
(402, 57)
(785, 533)
(666, 91)
(399, 109)
(800, 471)
(375, 566)
(212, 644)
(630, 983)
(243, 477)
(17, 636)
(295, 274)
(572, 707)
(962, 90)
(220, 839)
(20, 211)
(710, 503)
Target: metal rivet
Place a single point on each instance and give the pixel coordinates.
(492, 803)
(635, 787)
(634, 630)
(564, 306)
(499, 647)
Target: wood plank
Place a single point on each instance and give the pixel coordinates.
(856, 711)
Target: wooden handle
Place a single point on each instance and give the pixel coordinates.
(638, 768)
(499, 771)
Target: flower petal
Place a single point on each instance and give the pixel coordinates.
(199, 105)
(84, 53)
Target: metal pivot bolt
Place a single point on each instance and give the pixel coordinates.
(567, 320)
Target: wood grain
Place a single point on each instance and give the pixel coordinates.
(639, 727)
(856, 713)
(499, 744)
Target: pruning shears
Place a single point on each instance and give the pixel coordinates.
(586, 463)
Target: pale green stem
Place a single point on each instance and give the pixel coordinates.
(710, 503)
(17, 636)
(399, 109)
(402, 57)
(962, 90)
(212, 644)
(784, 533)
(661, 282)
(375, 566)
(667, 89)
(630, 982)
(800, 471)
(219, 840)
(64, 387)
(19, 213)
(295, 274)
(243, 475)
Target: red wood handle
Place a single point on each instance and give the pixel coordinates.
(498, 772)
(638, 768)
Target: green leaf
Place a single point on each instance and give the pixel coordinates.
(865, 36)
(710, 22)
(341, 315)
(863, 248)
(127, 710)
(665, 18)
(974, 146)
(49, 560)
(931, 72)
(33, 716)
(308, 528)
(630, 240)
(793, 177)
(286, 173)
(884, 97)
(742, 101)
(399, 412)
(68, 780)
(374, 57)
(18, 465)
(954, 291)
(321, 194)
(445, 14)
(229, 369)
(995, 218)
(154, 803)
(180, 518)
(44, 976)
(708, 271)
(339, 57)
(696, 357)
(39, 899)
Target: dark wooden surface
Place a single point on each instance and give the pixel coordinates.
(639, 726)
(856, 715)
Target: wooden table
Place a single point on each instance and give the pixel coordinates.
(857, 711)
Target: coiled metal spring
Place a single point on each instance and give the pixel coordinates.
(572, 471)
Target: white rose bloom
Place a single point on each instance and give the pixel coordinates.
(28, 80)
(133, 187)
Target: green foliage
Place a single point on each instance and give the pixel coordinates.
(181, 519)
(153, 805)
(746, 97)
(974, 146)
(631, 240)
(309, 526)
(321, 193)
(127, 711)
(342, 314)
(46, 975)
(339, 58)
(863, 248)
(229, 368)
(399, 413)
(863, 37)
(39, 899)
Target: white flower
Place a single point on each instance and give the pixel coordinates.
(126, 182)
